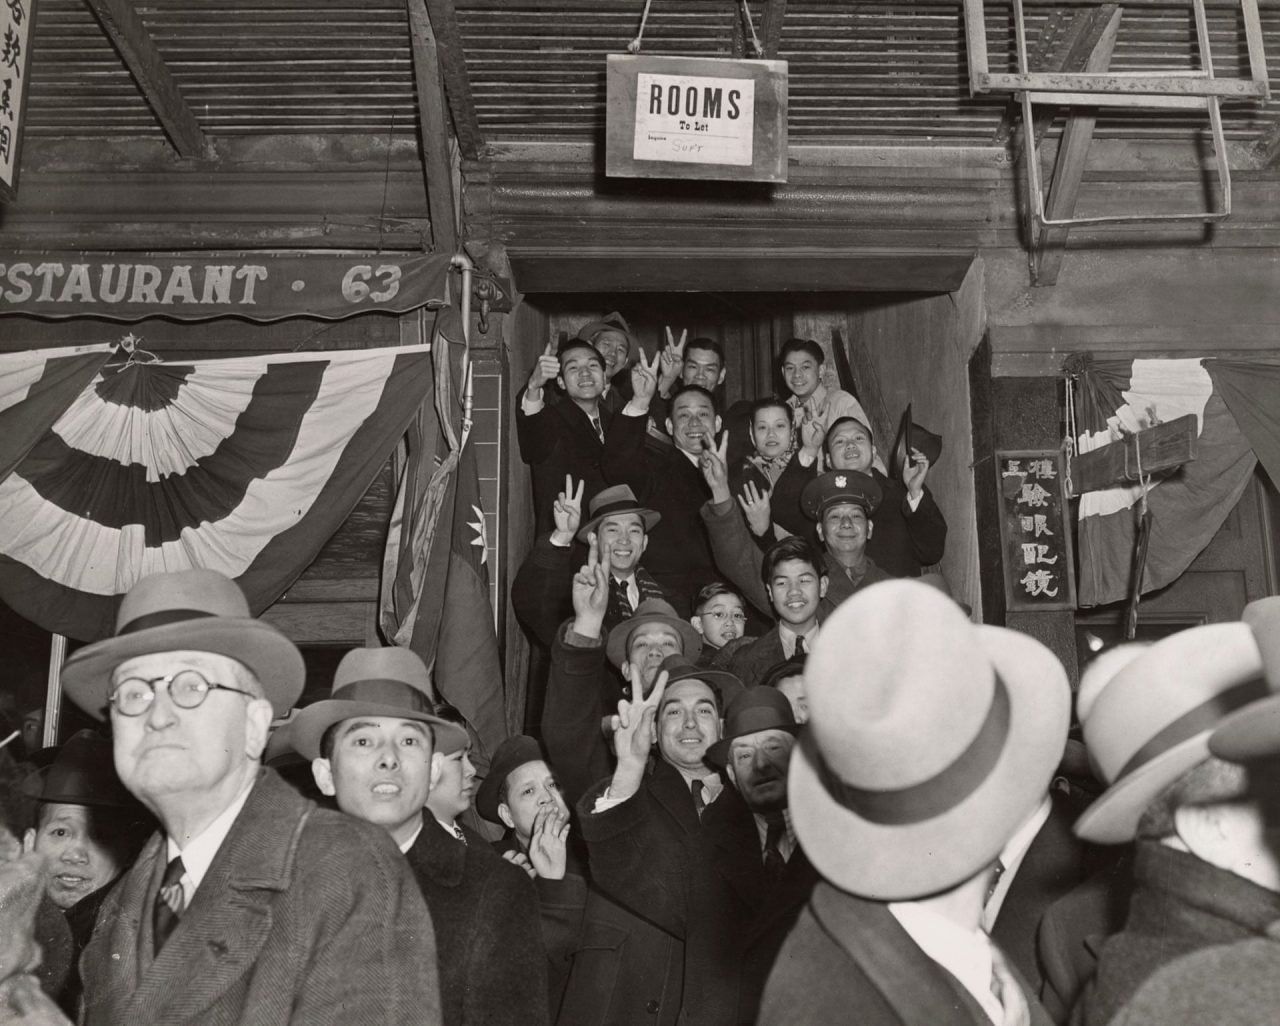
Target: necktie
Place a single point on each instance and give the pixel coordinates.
(774, 863)
(595, 423)
(623, 600)
(169, 903)
(1003, 985)
(800, 647)
(699, 801)
(457, 832)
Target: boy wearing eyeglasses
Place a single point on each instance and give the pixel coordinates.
(720, 616)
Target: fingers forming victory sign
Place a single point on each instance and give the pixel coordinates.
(591, 591)
(567, 512)
(715, 469)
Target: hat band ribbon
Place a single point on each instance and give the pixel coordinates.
(162, 618)
(939, 793)
(383, 691)
(621, 506)
(1202, 717)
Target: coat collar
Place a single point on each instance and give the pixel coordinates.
(436, 855)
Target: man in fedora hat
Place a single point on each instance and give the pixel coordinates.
(250, 904)
(1207, 859)
(839, 507)
(731, 890)
(612, 338)
(563, 435)
(903, 791)
(377, 747)
(540, 593)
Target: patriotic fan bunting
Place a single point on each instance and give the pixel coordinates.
(243, 465)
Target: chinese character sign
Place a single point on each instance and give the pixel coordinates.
(15, 40)
(1035, 535)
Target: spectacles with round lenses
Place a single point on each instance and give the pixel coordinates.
(187, 690)
(720, 615)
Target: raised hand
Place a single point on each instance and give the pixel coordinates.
(591, 591)
(633, 734)
(644, 379)
(519, 858)
(672, 360)
(546, 369)
(758, 508)
(567, 512)
(914, 467)
(812, 432)
(548, 847)
(715, 469)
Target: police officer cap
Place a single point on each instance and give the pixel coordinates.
(836, 487)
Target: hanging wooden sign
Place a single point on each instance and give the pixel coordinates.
(1035, 532)
(16, 21)
(696, 117)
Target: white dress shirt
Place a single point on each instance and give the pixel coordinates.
(199, 852)
(965, 954)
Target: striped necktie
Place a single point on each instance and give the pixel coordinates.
(169, 903)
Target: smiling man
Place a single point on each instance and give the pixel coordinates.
(667, 480)
(251, 904)
(378, 748)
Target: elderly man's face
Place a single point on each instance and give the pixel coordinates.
(531, 788)
(380, 771)
(167, 752)
(758, 768)
(614, 347)
(844, 529)
(79, 860)
(688, 723)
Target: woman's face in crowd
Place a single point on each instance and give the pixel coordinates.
(771, 431)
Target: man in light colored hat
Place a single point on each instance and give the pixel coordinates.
(378, 748)
(251, 905)
(611, 337)
(925, 750)
(731, 890)
(1207, 859)
(540, 593)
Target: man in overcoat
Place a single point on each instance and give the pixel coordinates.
(250, 905)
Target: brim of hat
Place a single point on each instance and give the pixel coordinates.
(616, 646)
(308, 726)
(649, 516)
(913, 860)
(486, 800)
(273, 658)
(1113, 817)
(718, 753)
(1249, 733)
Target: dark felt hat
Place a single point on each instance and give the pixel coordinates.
(613, 501)
(652, 611)
(390, 681)
(754, 710)
(840, 486)
(726, 685)
(912, 436)
(513, 753)
(198, 610)
(79, 772)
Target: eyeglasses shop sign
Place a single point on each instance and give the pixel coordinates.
(678, 117)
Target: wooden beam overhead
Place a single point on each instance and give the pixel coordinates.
(1068, 169)
(453, 66)
(432, 127)
(1054, 49)
(130, 37)
(774, 12)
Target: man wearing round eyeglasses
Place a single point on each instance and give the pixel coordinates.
(251, 904)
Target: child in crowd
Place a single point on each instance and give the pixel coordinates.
(720, 616)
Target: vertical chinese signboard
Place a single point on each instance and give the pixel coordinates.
(16, 17)
(1035, 533)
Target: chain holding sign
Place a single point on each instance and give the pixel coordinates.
(1035, 532)
(696, 117)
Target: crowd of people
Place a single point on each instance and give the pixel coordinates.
(781, 778)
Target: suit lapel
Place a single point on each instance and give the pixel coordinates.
(437, 856)
(730, 830)
(918, 989)
(672, 793)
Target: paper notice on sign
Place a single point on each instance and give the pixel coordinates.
(694, 119)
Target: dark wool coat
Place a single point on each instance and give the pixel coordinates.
(849, 961)
(492, 961)
(306, 916)
(1226, 985)
(555, 441)
(1180, 904)
(679, 553)
(709, 887)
